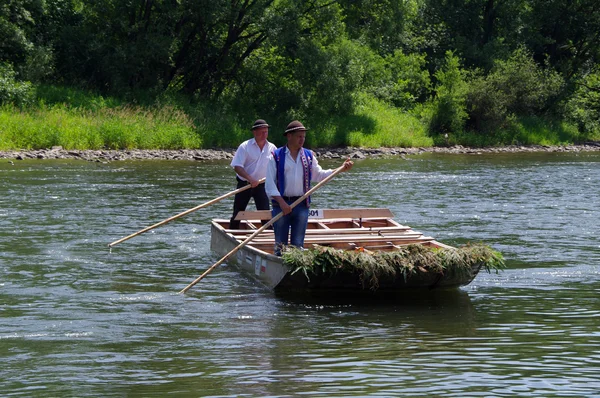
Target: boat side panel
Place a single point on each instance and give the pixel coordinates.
(265, 268)
(354, 282)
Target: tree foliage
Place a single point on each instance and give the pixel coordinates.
(583, 108)
(567, 33)
(380, 24)
(446, 112)
(299, 58)
(515, 86)
(13, 91)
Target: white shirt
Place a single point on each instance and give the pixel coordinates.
(252, 158)
(294, 175)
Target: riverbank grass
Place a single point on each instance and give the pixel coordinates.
(108, 128)
(79, 119)
(374, 124)
(522, 131)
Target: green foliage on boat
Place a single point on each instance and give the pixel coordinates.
(406, 261)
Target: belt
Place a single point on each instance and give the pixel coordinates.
(287, 199)
(291, 198)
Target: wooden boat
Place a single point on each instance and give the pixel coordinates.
(346, 229)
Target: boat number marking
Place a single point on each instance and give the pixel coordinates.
(263, 267)
(315, 213)
(257, 265)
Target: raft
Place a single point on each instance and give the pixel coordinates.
(350, 250)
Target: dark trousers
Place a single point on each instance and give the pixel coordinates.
(243, 198)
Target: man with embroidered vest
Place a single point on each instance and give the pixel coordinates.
(289, 174)
(250, 164)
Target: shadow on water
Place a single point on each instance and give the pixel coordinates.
(439, 311)
(406, 299)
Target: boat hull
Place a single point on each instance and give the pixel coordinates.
(264, 267)
(270, 271)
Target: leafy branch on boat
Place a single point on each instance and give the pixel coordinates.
(407, 261)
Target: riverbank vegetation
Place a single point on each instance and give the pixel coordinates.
(370, 73)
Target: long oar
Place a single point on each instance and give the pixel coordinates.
(183, 214)
(265, 226)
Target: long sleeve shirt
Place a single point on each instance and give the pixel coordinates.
(294, 175)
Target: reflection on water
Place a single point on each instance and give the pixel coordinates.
(79, 320)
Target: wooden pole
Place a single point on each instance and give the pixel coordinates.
(183, 214)
(265, 226)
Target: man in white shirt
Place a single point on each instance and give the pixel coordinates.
(250, 164)
(289, 174)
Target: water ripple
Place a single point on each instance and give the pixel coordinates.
(83, 320)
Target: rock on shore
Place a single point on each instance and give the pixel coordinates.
(105, 155)
(322, 153)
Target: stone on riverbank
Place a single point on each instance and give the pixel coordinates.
(106, 155)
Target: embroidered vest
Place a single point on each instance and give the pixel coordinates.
(306, 157)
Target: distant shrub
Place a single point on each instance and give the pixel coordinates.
(13, 91)
(583, 108)
(516, 87)
(39, 64)
(446, 112)
(407, 81)
(74, 97)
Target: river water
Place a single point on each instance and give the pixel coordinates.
(79, 320)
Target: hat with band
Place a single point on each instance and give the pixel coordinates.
(259, 123)
(294, 126)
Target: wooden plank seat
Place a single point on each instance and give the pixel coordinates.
(372, 245)
(335, 239)
(330, 232)
(395, 246)
(327, 214)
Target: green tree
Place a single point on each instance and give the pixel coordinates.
(15, 22)
(515, 87)
(21, 45)
(476, 30)
(567, 33)
(583, 108)
(305, 68)
(411, 83)
(379, 24)
(13, 91)
(192, 46)
(446, 112)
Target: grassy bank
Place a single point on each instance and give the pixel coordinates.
(524, 131)
(76, 119)
(374, 124)
(110, 128)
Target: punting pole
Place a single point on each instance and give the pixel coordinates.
(265, 226)
(183, 214)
